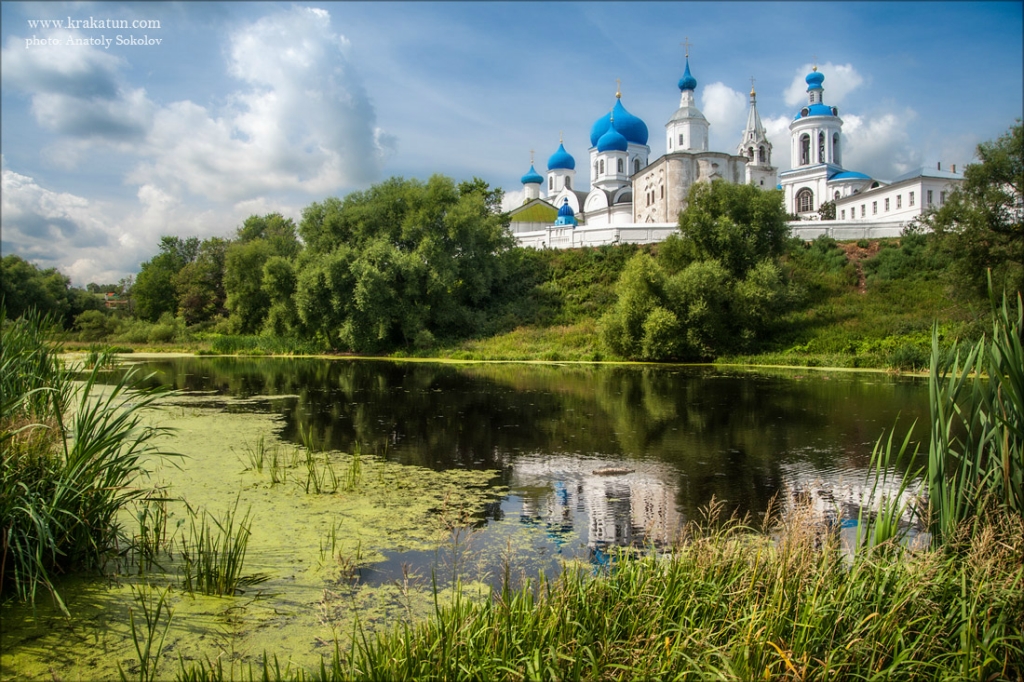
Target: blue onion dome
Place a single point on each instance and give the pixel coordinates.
(814, 79)
(612, 140)
(565, 211)
(533, 177)
(561, 159)
(687, 82)
(631, 127)
(628, 125)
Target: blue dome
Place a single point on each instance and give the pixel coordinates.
(612, 140)
(850, 175)
(561, 159)
(814, 80)
(817, 110)
(687, 82)
(565, 211)
(533, 177)
(628, 125)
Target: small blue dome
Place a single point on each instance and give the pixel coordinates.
(565, 215)
(561, 160)
(533, 177)
(628, 125)
(687, 82)
(817, 110)
(612, 140)
(814, 80)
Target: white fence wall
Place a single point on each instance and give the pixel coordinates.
(569, 237)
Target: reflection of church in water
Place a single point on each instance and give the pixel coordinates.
(565, 497)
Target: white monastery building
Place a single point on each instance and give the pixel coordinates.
(635, 200)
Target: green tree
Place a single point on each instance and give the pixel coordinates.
(25, 286)
(981, 225)
(154, 292)
(737, 225)
(259, 239)
(199, 285)
(416, 262)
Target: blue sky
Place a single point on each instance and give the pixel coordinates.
(246, 108)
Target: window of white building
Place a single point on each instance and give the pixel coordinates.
(899, 201)
(929, 197)
(804, 201)
(874, 208)
(842, 214)
(942, 198)
(863, 210)
(887, 203)
(910, 199)
(619, 166)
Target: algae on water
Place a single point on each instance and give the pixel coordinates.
(313, 543)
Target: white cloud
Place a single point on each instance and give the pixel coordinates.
(880, 146)
(726, 111)
(840, 80)
(777, 130)
(302, 122)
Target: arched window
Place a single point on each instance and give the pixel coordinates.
(663, 191)
(750, 153)
(636, 165)
(836, 196)
(680, 139)
(804, 201)
(568, 182)
(835, 149)
(619, 166)
(805, 149)
(601, 172)
(821, 147)
(551, 182)
(760, 154)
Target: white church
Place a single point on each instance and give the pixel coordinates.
(635, 200)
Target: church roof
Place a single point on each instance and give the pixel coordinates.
(532, 177)
(849, 175)
(628, 125)
(817, 110)
(612, 140)
(561, 159)
(687, 82)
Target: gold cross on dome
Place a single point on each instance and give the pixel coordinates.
(686, 44)
(814, 57)
(751, 82)
(618, 87)
(531, 157)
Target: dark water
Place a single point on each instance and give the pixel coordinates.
(680, 435)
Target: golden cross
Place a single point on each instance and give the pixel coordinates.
(618, 87)
(815, 58)
(751, 82)
(531, 157)
(560, 137)
(686, 44)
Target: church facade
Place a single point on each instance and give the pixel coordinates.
(633, 199)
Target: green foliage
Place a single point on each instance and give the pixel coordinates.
(199, 285)
(827, 210)
(25, 287)
(981, 225)
(95, 325)
(916, 256)
(400, 264)
(154, 289)
(70, 458)
(737, 225)
(976, 455)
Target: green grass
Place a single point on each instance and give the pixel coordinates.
(72, 454)
(213, 553)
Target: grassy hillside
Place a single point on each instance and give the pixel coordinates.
(855, 304)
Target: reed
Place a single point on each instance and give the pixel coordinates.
(320, 479)
(149, 642)
(151, 537)
(72, 454)
(976, 453)
(213, 553)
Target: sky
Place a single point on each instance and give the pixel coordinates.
(148, 119)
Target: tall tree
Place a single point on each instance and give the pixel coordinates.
(259, 239)
(153, 292)
(981, 225)
(199, 285)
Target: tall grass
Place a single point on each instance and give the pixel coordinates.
(213, 553)
(976, 454)
(72, 458)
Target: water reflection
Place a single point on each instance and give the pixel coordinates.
(686, 434)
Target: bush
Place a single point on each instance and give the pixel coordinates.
(95, 325)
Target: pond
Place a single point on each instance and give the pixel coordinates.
(370, 484)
